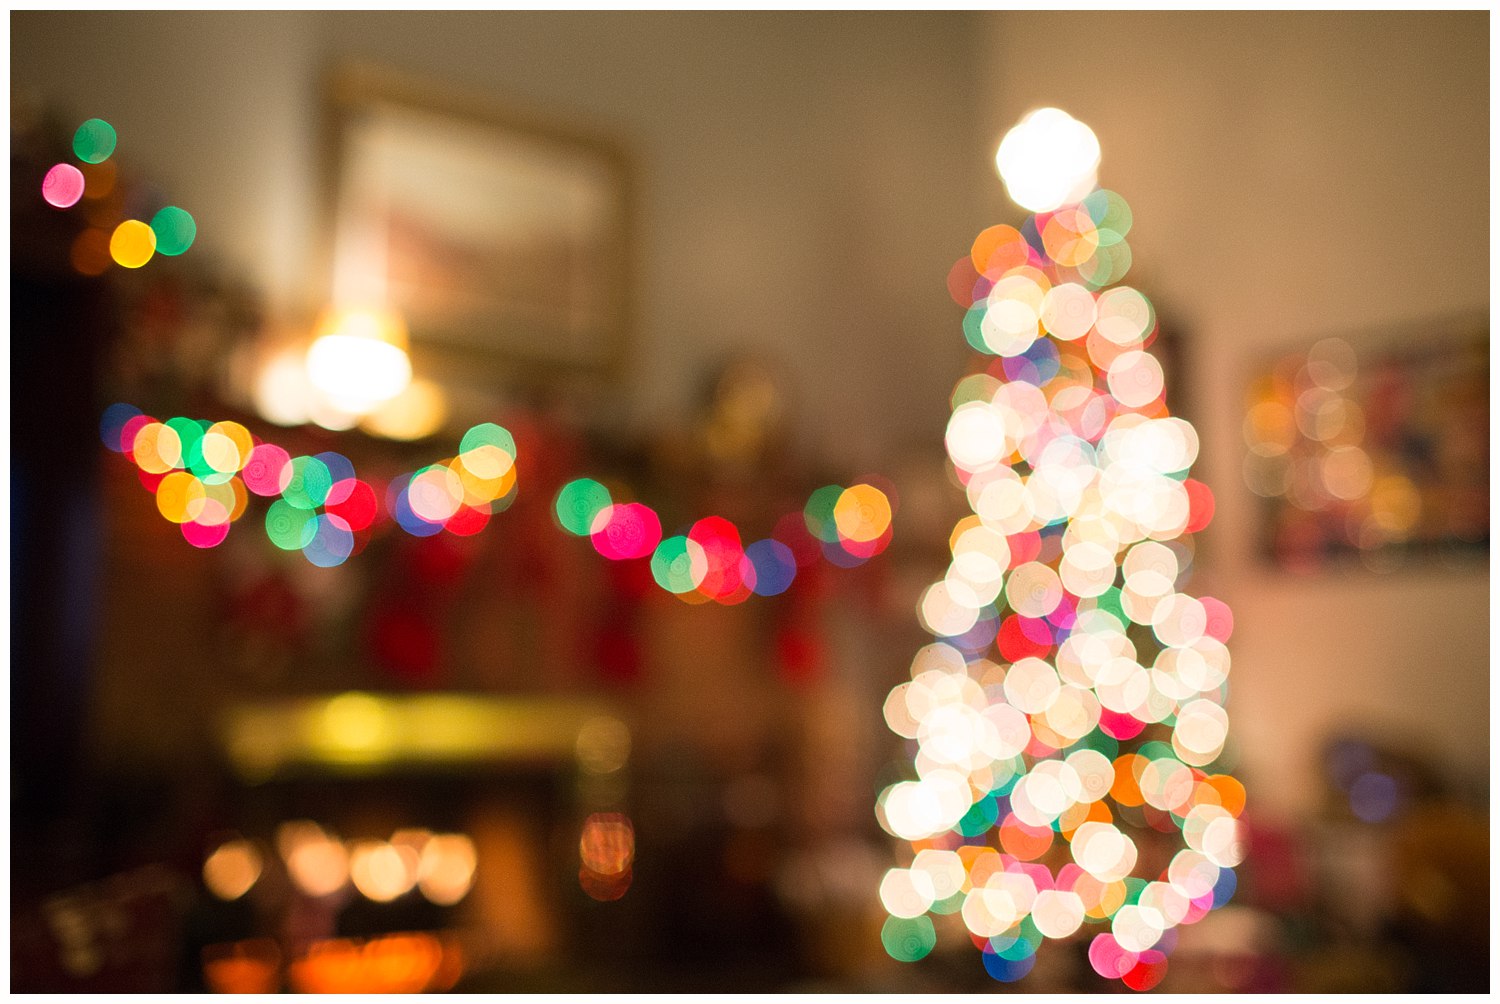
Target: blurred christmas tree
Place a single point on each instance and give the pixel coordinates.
(1069, 715)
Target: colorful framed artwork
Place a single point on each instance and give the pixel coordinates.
(1373, 447)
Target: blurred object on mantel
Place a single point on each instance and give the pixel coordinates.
(121, 934)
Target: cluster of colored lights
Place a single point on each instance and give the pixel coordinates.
(1101, 711)
(462, 493)
(132, 243)
(203, 473)
(708, 561)
(1077, 245)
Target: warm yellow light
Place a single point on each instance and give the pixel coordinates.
(282, 391)
(446, 871)
(603, 745)
(356, 731)
(382, 871)
(317, 862)
(417, 412)
(232, 869)
(1049, 159)
(359, 359)
(132, 244)
(355, 727)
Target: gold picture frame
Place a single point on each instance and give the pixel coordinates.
(504, 242)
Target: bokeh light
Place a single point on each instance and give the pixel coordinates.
(232, 869)
(1071, 704)
(268, 471)
(1048, 160)
(417, 412)
(358, 358)
(461, 493)
(175, 230)
(94, 141)
(579, 505)
(606, 851)
(774, 566)
(710, 560)
(862, 514)
(331, 542)
(129, 244)
(629, 530)
(63, 186)
(89, 254)
(402, 963)
(383, 871)
(132, 244)
(603, 745)
(316, 861)
(446, 869)
(203, 475)
(113, 422)
(907, 940)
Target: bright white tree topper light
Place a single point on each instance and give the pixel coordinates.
(1049, 159)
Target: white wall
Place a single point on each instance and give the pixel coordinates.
(804, 179)
(1292, 176)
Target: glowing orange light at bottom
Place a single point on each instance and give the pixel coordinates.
(393, 963)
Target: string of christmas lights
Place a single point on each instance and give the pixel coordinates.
(709, 561)
(203, 474)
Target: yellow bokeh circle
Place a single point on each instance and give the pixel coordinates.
(133, 244)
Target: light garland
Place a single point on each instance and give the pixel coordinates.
(709, 562)
(203, 474)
